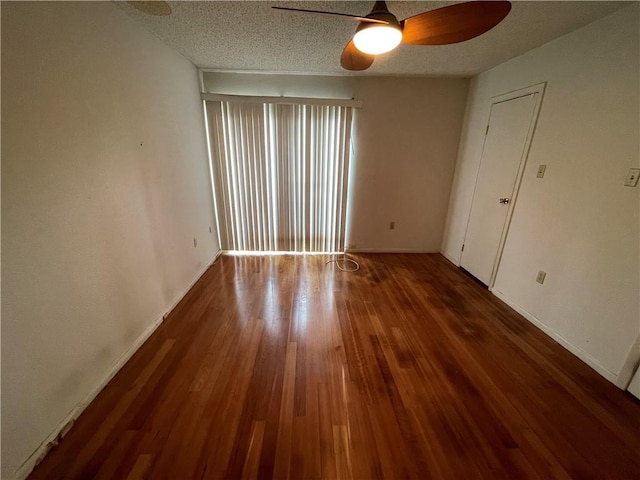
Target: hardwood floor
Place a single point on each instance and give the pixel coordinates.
(285, 367)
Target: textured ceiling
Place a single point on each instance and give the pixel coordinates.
(251, 36)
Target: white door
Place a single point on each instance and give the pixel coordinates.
(503, 156)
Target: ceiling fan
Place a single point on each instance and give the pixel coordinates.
(380, 31)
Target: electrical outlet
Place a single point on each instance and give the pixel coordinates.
(195, 242)
(541, 170)
(541, 276)
(392, 225)
(632, 177)
(352, 246)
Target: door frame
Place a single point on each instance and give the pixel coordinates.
(538, 89)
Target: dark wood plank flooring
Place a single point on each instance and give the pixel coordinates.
(285, 367)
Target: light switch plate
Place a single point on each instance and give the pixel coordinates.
(541, 170)
(632, 177)
(541, 276)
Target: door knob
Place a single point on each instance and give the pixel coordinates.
(504, 201)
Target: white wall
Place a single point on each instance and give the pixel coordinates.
(579, 223)
(405, 138)
(0, 254)
(105, 182)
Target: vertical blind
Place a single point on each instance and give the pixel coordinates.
(280, 175)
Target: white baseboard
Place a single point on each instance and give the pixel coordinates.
(63, 427)
(377, 250)
(451, 259)
(577, 351)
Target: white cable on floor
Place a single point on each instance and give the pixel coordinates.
(344, 259)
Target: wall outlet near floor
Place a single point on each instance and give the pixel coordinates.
(195, 242)
(541, 170)
(392, 225)
(541, 276)
(632, 177)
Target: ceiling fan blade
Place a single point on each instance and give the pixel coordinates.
(354, 17)
(354, 59)
(453, 24)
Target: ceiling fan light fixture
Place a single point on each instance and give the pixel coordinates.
(374, 39)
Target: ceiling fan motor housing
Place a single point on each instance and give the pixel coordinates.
(381, 12)
(381, 36)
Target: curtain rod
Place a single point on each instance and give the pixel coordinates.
(338, 102)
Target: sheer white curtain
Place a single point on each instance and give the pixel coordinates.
(280, 175)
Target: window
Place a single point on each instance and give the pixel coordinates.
(280, 175)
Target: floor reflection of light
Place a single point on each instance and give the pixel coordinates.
(270, 311)
(330, 286)
(301, 298)
(268, 272)
(239, 288)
